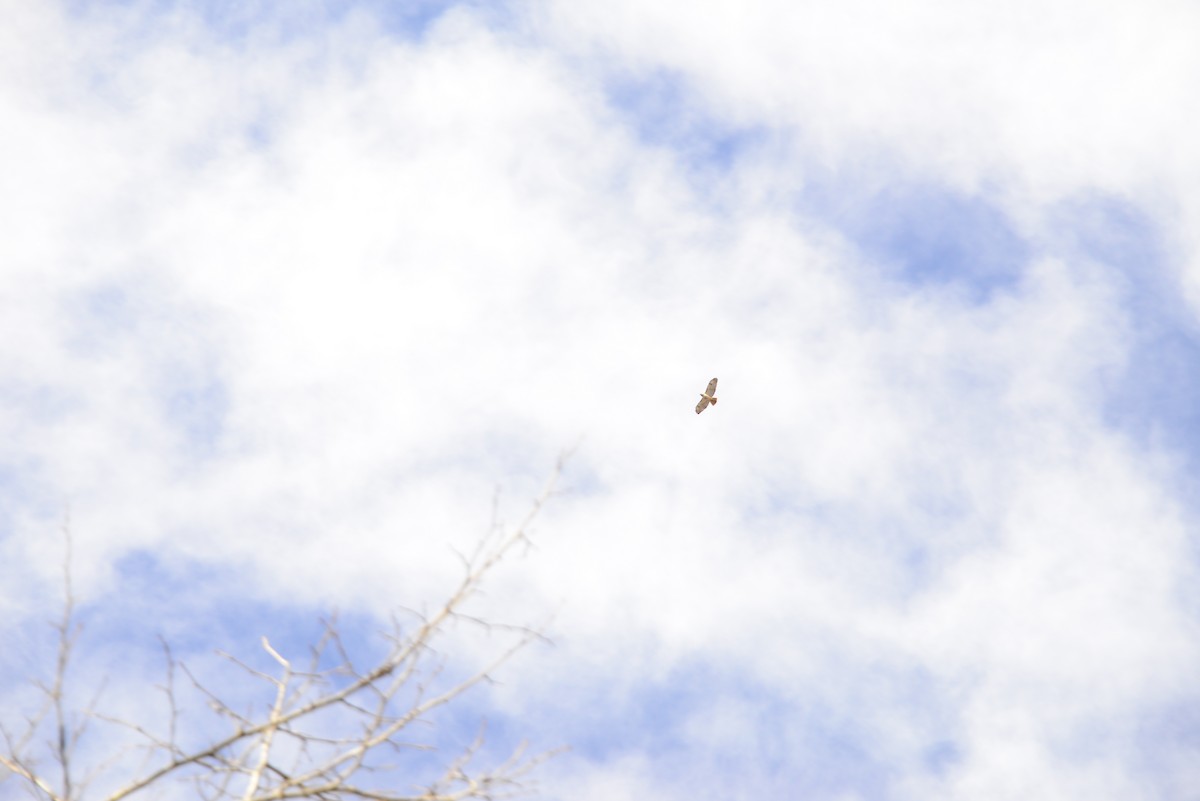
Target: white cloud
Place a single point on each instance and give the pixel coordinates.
(1027, 102)
(291, 306)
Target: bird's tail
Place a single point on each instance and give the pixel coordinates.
(714, 401)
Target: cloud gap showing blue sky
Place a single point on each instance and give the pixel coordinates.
(236, 23)
(662, 111)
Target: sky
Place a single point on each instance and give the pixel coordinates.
(293, 296)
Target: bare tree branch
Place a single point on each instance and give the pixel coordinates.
(327, 731)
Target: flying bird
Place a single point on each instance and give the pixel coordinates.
(707, 397)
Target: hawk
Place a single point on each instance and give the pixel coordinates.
(707, 397)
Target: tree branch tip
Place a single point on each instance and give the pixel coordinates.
(266, 644)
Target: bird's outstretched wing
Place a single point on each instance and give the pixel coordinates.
(708, 396)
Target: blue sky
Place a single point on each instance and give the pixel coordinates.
(288, 295)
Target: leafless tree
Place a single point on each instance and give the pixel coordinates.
(331, 729)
